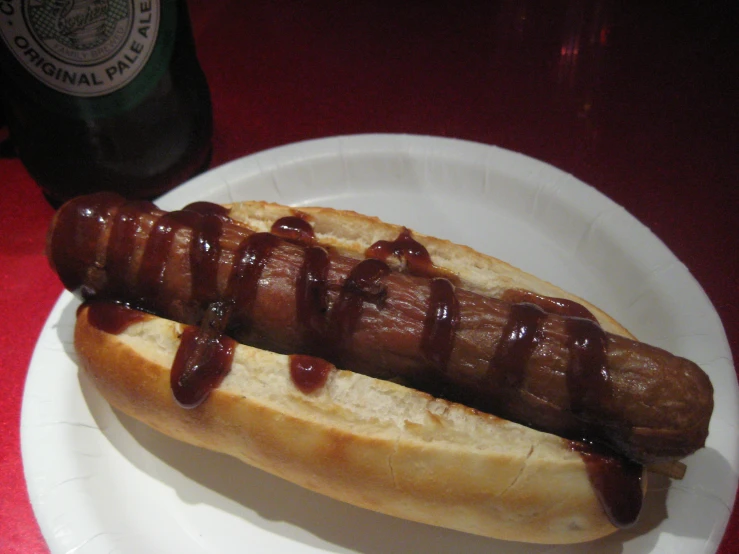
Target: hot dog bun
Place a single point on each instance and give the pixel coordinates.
(372, 443)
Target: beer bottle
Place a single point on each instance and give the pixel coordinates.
(104, 95)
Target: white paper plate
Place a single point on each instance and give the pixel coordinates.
(101, 482)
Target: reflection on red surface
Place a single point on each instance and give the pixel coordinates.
(637, 99)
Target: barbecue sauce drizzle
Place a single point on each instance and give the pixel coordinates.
(439, 327)
(203, 357)
(616, 481)
(309, 373)
(111, 317)
(519, 340)
(311, 295)
(442, 313)
(410, 252)
(205, 353)
(327, 330)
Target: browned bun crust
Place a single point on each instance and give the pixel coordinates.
(371, 443)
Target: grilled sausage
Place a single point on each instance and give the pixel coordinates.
(532, 359)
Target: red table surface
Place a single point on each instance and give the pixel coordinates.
(639, 102)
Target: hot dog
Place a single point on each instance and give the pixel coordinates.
(386, 303)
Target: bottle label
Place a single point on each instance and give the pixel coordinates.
(84, 48)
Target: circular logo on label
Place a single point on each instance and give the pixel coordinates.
(81, 47)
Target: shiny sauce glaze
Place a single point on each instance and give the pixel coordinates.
(327, 330)
(205, 353)
(413, 256)
(520, 337)
(617, 483)
(252, 256)
(587, 370)
(440, 324)
(204, 256)
(551, 305)
(111, 317)
(442, 314)
(311, 288)
(203, 357)
(309, 373)
(362, 285)
(78, 228)
(587, 373)
(122, 246)
(311, 295)
(294, 228)
(152, 270)
(407, 249)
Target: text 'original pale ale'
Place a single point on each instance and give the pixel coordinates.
(104, 95)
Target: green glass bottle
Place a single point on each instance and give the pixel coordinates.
(104, 95)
